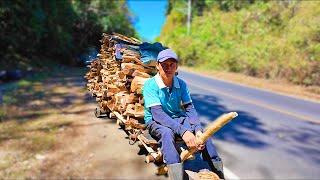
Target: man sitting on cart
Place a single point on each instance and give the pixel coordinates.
(169, 113)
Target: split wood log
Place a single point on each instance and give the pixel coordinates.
(141, 74)
(134, 123)
(117, 82)
(157, 155)
(132, 98)
(210, 130)
(131, 59)
(137, 84)
(130, 110)
(138, 110)
(129, 68)
(135, 110)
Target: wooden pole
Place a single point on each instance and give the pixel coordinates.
(210, 130)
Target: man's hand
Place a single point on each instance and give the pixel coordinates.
(189, 138)
(200, 146)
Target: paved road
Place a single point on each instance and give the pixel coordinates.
(274, 136)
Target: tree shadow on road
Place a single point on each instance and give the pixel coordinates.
(303, 141)
(244, 129)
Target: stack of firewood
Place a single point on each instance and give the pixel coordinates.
(117, 76)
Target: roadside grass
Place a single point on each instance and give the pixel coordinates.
(34, 111)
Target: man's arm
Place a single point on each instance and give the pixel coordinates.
(191, 112)
(193, 117)
(164, 119)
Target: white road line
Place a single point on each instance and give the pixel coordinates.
(229, 174)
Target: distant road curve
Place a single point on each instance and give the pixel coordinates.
(293, 106)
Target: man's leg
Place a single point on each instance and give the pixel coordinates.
(168, 149)
(166, 140)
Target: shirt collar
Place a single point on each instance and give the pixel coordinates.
(161, 84)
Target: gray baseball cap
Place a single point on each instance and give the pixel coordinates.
(166, 54)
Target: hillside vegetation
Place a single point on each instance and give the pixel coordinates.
(268, 39)
(34, 33)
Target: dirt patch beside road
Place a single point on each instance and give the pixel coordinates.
(70, 141)
(99, 150)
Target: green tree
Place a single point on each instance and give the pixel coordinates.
(33, 30)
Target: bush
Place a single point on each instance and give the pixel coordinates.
(269, 39)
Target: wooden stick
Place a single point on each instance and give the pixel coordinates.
(119, 116)
(210, 130)
(156, 155)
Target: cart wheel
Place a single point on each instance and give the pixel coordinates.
(97, 112)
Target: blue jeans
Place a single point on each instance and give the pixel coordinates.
(166, 139)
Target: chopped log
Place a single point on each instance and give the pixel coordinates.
(205, 174)
(132, 98)
(133, 123)
(141, 74)
(121, 101)
(113, 88)
(138, 110)
(135, 110)
(137, 84)
(130, 110)
(131, 59)
(111, 104)
(129, 68)
(156, 154)
(117, 84)
(121, 76)
(104, 105)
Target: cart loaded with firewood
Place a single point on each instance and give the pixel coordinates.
(116, 80)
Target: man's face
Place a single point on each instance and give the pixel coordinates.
(167, 69)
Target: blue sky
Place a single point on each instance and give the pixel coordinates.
(149, 17)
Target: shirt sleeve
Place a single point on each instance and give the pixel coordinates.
(164, 119)
(185, 94)
(150, 95)
(192, 117)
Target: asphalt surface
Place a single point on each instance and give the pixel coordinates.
(274, 137)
